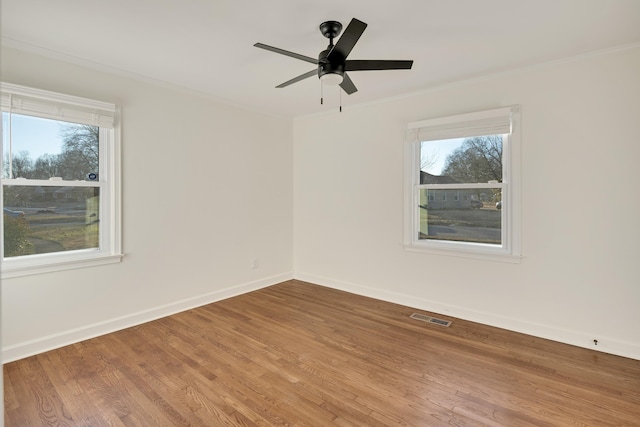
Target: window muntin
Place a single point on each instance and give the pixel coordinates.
(461, 180)
(60, 182)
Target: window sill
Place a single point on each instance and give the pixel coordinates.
(10, 271)
(488, 256)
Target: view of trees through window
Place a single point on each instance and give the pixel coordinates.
(478, 159)
(461, 194)
(50, 191)
(72, 154)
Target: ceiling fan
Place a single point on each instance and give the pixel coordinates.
(333, 63)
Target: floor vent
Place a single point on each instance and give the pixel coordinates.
(430, 319)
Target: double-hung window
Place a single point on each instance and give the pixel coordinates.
(60, 181)
(462, 190)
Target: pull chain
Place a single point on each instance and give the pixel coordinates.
(322, 95)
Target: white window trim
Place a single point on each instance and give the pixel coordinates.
(46, 104)
(466, 125)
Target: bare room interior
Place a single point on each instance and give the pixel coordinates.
(294, 213)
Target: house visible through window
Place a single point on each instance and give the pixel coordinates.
(60, 167)
(462, 184)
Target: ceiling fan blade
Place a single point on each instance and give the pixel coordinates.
(287, 53)
(364, 65)
(347, 40)
(347, 85)
(300, 77)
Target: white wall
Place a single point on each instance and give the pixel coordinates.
(206, 188)
(579, 279)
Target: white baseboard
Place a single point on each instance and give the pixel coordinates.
(61, 339)
(579, 339)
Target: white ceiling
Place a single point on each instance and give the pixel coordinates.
(207, 45)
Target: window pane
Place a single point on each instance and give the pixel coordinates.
(45, 219)
(43, 148)
(465, 160)
(461, 215)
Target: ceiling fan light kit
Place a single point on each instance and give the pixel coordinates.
(332, 79)
(332, 63)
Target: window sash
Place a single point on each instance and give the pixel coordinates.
(50, 183)
(502, 248)
(461, 186)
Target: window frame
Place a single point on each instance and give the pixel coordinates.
(461, 126)
(57, 106)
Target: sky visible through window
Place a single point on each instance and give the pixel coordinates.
(433, 154)
(34, 135)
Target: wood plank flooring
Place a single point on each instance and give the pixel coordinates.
(297, 354)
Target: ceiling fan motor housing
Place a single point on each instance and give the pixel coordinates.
(325, 66)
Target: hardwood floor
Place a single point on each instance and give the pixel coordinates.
(296, 354)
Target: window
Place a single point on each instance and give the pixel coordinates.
(60, 182)
(462, 185)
